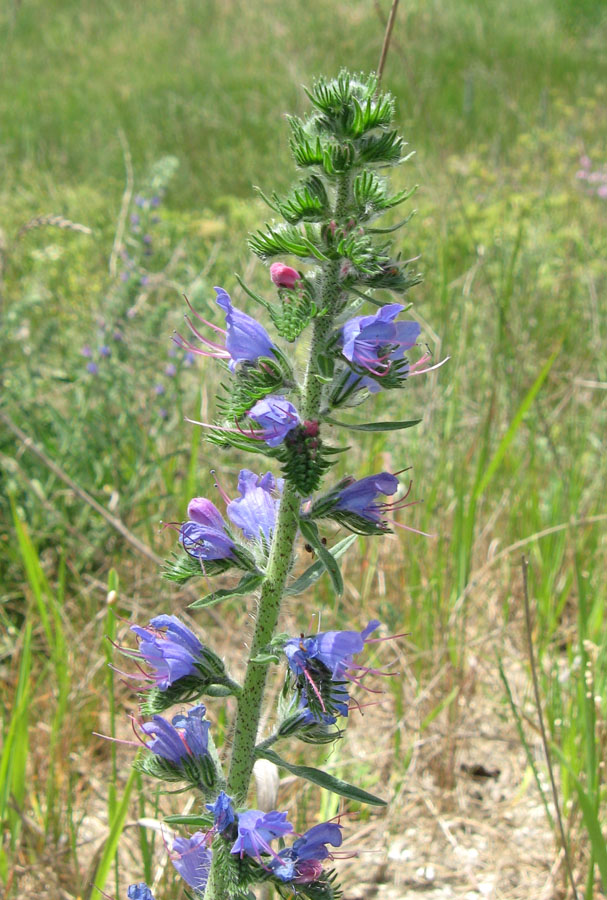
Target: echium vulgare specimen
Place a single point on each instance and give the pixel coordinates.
(334, 276)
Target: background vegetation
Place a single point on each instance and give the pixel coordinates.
(185, 101)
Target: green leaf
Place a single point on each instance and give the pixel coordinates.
(193, 821)
(374, 426)
(310, 532)
(247, 583)
(323, 779)
(313, 572)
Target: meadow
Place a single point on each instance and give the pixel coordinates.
(105, 106)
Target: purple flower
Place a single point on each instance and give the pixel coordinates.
(256, 829)
(105, 350)
(86, 351)
(256, 509)
(139, 892)
(159, 389)
(169, 648)
(117, 335)
(376, 342)
(277, 417)
(124, 275)
(147, 239)
(245, 339)
(170, 370)
(140, 200)
(135, 219)
(203, 535)
(223, 812)
(187, 736)
(302, 863)
(92, 368)
(188, 359)
(192, 860)
(360, 496)
(334, 649)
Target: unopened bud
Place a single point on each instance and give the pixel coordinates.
(284, 276)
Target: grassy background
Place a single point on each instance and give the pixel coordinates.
(499, 100)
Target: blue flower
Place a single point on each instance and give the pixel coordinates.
(321, 665)
(302, 863)
(377, 343)
(139, 891)
(334, 649)
(187, 736)
(359, 497)
(169, 648)
(256, 829)
(192, 860)
(203, 535)
(223, 812)
(255, 511)
(277, 417)
(246, 339)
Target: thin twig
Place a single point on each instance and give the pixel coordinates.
(540, 715)
(115, 522)
(126, 202)
(386, 43)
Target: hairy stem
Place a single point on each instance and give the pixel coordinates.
(281, 553)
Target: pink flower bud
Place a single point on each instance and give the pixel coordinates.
(284, 276)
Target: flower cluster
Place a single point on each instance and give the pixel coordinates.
(250, 834)
(593, 179)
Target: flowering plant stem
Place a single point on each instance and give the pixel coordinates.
(281, 552)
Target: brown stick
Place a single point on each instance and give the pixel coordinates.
(114, 521)
(386, 44)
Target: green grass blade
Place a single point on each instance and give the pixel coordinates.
(515, 424)
(116, 828)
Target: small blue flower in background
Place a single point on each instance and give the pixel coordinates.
(223, 812)
(139, 891)
(192, 860)
(169, 648)
(170, 370)
(360, 497)
(376, 342)
(256, 829)
(86, 351)
(188, 735)
(92, 368)
(255, 511)
(302, 863)
(277, 417)
(203, 535)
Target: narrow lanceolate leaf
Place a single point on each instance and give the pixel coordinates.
(193, 821)
(310, 532)
(247, 584)
(313, 572)
(374, 426)
(323, 779)
(116, 828)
